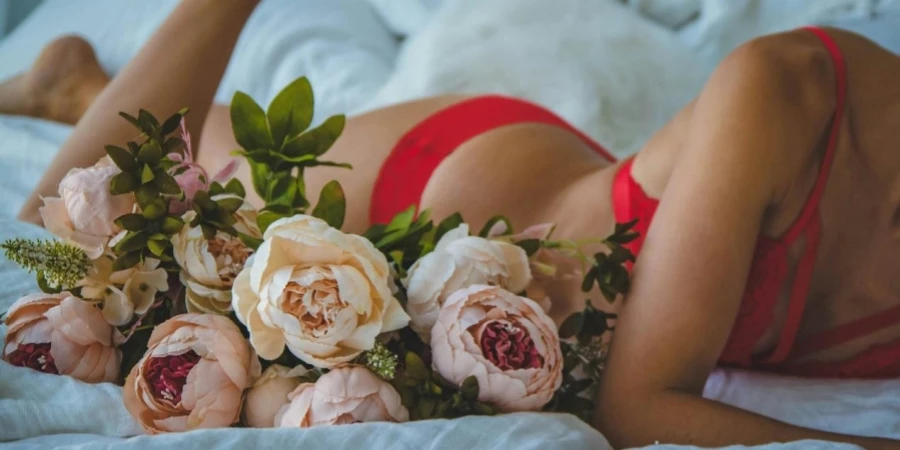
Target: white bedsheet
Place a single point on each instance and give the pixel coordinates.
(608, 72)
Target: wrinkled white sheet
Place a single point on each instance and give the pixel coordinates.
(609, 73)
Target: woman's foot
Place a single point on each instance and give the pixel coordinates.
(60, 86)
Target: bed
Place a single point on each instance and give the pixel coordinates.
(614, 69)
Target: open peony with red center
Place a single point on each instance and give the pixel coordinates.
(507, 342)
(193, 375)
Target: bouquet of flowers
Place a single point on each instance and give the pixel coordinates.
(213, 313)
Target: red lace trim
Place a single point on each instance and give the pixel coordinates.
(757, 310)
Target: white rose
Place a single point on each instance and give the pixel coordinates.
(209, 266)
(457, 262)
(323, 293)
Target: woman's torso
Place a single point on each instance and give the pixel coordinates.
(854, 273)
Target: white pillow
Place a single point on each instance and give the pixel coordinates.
(342, 45)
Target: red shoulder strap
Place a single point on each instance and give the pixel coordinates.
(406, 170)
(840, 73)
(809, 220)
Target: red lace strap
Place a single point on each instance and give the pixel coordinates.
(847, 332)
(808, 222)
(406, 170)
(840, 72)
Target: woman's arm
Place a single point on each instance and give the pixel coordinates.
(756, 122)
(180, 66)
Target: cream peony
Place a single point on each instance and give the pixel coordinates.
(323, 293)
(269, 393)
(460, 261)
(62, 334)
(193, 375)
(346, 394)
(209, 266)
(507, 342)
(84, 212)
(126, 292)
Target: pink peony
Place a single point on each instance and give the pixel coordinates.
(507, 342)
(84, 212)
(346, 394)
(193, 375)
(62, 334)
(269, 393)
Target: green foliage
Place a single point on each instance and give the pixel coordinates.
(55, 263)
(584, 333)
(427, 395)
(279, 146)
(145, 173)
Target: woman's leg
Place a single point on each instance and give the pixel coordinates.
(180, 66)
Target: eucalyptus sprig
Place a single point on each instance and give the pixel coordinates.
(56, 263)
(145, 172)
(279, 146)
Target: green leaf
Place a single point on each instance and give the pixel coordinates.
(284, 210)
(316, 141)
(402, 221)
(209, 232)
(150, 153)
(146, 194)
(493, 221)
(155, 210)
(172, 225)
(572, 325)
(123, 158)
(157, 247)
(263, 156)
(166, 184)
(469, 388)
(45, 286)
(415, 367)
(291, 112)
(215, 188)
(449, 223)
(235, 187)
(481, 409)
(132, 241)
(250, 241)
(259, 174)
(230, 204)
(131, 119)
(173, 144)
(281, 189)
(266, 218)
(248, 120)
(202, 200)
(147, 175)
(171, 124)
(123, 183)
(425, 408)
(531, 246)
(588, 282)
(317, 163)
(332, 205)
(127, 261)
(131, 222)
(147, 122)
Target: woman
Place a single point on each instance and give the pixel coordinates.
(771, 248)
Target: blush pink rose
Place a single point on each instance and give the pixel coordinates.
(346, 394)
(193, 375)
(507, 342)
(269, 393)
(64, 335)
(84, 212)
